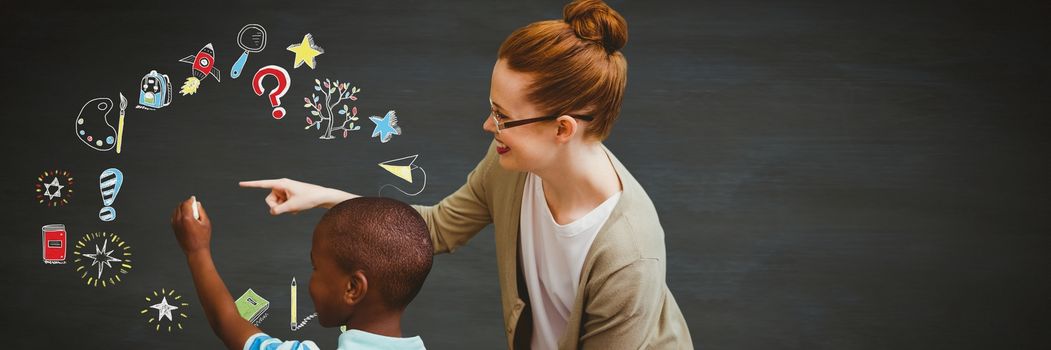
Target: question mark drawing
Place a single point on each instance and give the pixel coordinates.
(283, 82)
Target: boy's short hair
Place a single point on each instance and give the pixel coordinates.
(385, 238)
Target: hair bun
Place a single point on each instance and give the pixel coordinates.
(594, 20)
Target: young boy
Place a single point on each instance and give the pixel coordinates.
(370, 258)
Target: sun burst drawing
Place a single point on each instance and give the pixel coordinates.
(169, 302)
(54, 188)
(101, 258)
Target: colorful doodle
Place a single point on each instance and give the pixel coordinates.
(54, 188)
(203, 66)
(403, 167)
(110, 182)
(386, 127)
(165, 310)
(101, 258)
(54, 243)
(306, 52)
(251, 39)
(252, 307)
(284, 81)
(334, 93)
(155, 91)
(92, 125)
(296, 324)
(120, 125)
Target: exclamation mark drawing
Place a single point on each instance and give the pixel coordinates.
(109, 184)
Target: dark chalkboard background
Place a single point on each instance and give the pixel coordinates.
(830, 174)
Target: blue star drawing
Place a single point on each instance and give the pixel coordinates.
(386, 127)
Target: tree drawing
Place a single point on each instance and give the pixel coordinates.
(334, 93)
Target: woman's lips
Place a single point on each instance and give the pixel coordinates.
(501, 148)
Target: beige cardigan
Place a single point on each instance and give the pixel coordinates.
(622, 301)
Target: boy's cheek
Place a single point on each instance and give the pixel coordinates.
(319, 301)
(325, 315)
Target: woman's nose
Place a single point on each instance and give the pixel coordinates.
(488, 125)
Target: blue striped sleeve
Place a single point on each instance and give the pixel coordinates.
(262, 341)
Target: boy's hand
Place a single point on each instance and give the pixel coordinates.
(193, 235)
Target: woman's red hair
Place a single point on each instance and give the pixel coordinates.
(575, 63)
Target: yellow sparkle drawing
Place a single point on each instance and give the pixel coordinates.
(54, 188)
(101, 257)
(164, 307)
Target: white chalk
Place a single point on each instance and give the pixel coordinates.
(196, 213)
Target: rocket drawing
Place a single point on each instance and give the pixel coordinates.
(203, 66)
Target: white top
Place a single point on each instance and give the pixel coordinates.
(552, 256)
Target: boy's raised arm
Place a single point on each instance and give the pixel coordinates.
(194, 237)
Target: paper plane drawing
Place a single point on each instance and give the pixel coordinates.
(403, 167)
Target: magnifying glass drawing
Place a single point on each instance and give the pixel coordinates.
(251, 39)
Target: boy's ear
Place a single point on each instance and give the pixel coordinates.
(356, 288)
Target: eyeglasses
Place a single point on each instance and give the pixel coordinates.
(513, 123)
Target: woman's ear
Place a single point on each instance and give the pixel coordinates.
(356, 288)
(567, 127)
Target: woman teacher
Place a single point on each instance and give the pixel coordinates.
(579, 246)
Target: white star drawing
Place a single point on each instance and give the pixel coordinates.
(102, 257)
(164, 309)
(58, 189)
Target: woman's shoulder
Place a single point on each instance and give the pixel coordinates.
(633, 230)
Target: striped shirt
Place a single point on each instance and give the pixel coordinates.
(351, 339)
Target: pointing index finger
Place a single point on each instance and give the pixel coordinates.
(270, 183)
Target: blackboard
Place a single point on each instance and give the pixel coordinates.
(829, 174)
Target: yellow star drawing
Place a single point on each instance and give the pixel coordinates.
(306, 51)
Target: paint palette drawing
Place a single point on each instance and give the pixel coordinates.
(92, 126)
